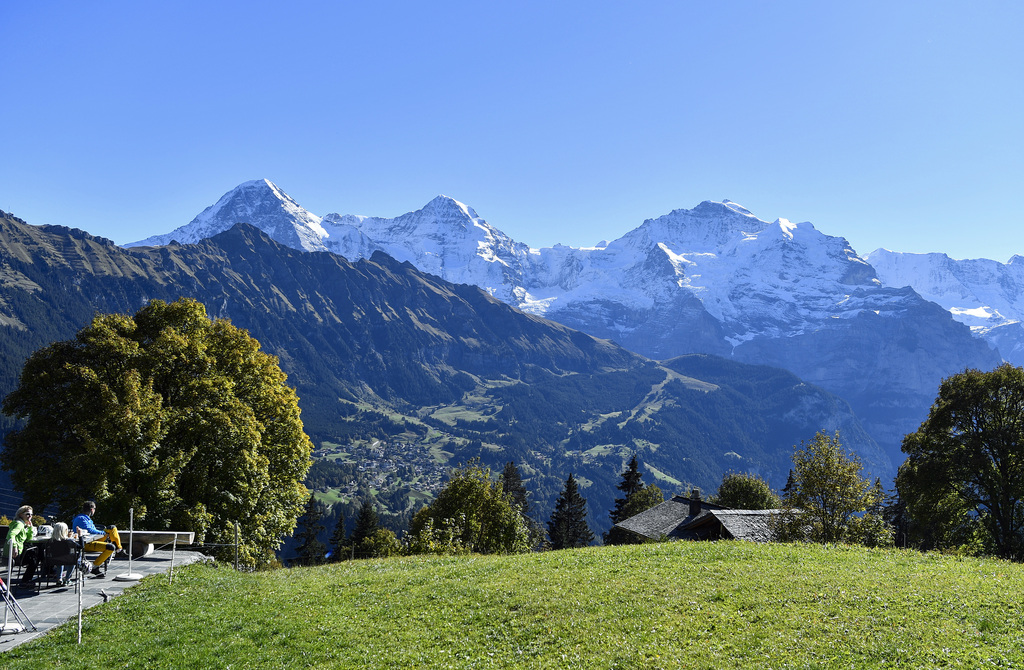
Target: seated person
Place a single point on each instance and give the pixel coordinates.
(107, 544)
(20, 532)
(62, 552)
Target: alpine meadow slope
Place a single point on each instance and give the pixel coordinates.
(379, 351)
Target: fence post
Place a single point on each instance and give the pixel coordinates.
(236, 546)
(174, 547)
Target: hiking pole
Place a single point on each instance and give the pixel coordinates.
(11, 605)
(81, 582)
(9, 628)
(129, 576)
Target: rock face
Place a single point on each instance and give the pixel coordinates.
(712, 279)
(984, 294)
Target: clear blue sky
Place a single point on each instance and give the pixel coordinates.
(895, 124)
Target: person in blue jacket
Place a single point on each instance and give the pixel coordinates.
(107, 545)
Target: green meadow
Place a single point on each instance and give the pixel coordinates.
(673, 605)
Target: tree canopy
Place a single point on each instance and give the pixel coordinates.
(745, 491)
(512, 484)
(963, 480)
(473, 513)
(178, 416)
(829, 500)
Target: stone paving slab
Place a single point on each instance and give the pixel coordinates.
(52, 606)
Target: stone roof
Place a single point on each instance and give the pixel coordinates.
(675, 519)
(666, 518)
(753, 525)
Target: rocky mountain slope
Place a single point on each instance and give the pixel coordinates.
(380, 351)
(986, 295)
(713, 279)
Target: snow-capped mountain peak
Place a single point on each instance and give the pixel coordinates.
(985, 294)
(445, 208)
(259, 202)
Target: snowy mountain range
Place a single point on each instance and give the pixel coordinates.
(984, 294)
(712, 279)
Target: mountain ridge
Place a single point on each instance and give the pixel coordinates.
(379, 350)
(712, 279)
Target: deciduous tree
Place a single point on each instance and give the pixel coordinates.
(474, 512)
(745, 491)
(829, 500)
(963, 480)
(178, 416)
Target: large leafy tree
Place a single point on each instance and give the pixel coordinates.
(636, 498)
(568, 525)
(178, 416)
(745, 491)
(473, 513)
(963, 480)
(829, 500)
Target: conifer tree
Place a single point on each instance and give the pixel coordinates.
(512, 484)
(337, 541)
(311, 550)
(637, 498)
(568, 525)
(366, 524)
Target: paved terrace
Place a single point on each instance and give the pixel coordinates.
(53, 606)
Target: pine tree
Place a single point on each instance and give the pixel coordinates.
(637, 498)
(631, 483)
(568, 525)
(338, 539)
(311, 550)
(366, 524)
(512, 485)
(790, 487)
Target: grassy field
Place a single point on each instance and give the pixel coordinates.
(678, 605)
